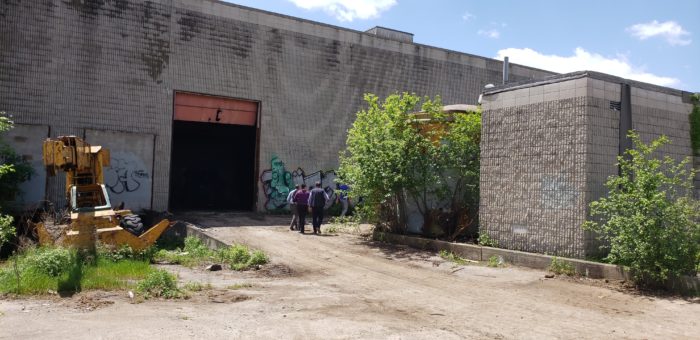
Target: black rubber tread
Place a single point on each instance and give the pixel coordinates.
(132, 223)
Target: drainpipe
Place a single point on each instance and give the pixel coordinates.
(625, 120)
(505, 70)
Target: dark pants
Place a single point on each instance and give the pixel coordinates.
(301, 211)
(317, 213)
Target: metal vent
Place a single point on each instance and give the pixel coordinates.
(615, 105)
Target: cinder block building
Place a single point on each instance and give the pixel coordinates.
(548, 147)
(206, 104)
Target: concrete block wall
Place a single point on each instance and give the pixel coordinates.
(77, 65)
(602, 147)
(533, 169)
(655, 113)
(548, 148)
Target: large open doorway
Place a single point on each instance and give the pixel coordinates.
(213, 153)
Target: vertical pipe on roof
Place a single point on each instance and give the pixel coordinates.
(505, 70)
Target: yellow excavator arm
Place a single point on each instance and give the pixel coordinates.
(82, 162)
(92, 215)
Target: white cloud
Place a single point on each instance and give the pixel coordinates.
(584, 60)
(467, 16)
(492, 33)
(347, 10)
(669, 30)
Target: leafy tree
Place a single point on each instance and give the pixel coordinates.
(392, 156)
(462, 160)
(695, 124)
(13, 171)
(374, 162)
(649, 220)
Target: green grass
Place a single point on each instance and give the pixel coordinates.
(110, 275)
(74, 275)
(50, 270)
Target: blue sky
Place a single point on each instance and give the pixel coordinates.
(652, 41)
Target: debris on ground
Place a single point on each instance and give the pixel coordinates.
(90, 303)
(213, 267)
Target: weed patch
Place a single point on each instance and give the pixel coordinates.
(487, 241)
(125, 252)
(159, 283)
(197, 287)
(240, 286)
(50, 261)
(194, 253)
(343, 224)
(452, 257)
(560, 267)
(494, 262)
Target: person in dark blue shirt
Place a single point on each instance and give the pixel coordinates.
(317, 201)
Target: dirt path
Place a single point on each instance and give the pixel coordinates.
(345, 287)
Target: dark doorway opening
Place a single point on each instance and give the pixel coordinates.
(212, 166)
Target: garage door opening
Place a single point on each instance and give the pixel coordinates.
(213, 154)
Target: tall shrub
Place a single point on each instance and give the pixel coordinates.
(375, 161)
(649, 221)
(392, 157)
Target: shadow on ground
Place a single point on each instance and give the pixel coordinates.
(213, 219)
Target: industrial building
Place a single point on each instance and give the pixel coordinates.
(206, 104)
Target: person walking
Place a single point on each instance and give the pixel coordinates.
(317, 201)
(293, 207)
(301, 199)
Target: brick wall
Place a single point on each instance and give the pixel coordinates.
(76, 65)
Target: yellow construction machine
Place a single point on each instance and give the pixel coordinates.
(92, 217)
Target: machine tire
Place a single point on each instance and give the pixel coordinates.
(133, 224)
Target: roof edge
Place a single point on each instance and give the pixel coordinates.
(583, 74)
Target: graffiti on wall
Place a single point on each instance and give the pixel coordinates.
(277, 182)
(128, 180)
(127, 176)
(558, 193)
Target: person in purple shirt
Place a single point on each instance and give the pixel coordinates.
(301, 199)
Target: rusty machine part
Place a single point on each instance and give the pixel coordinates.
(92, 217)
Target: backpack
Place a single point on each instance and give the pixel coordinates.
(318, 198)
